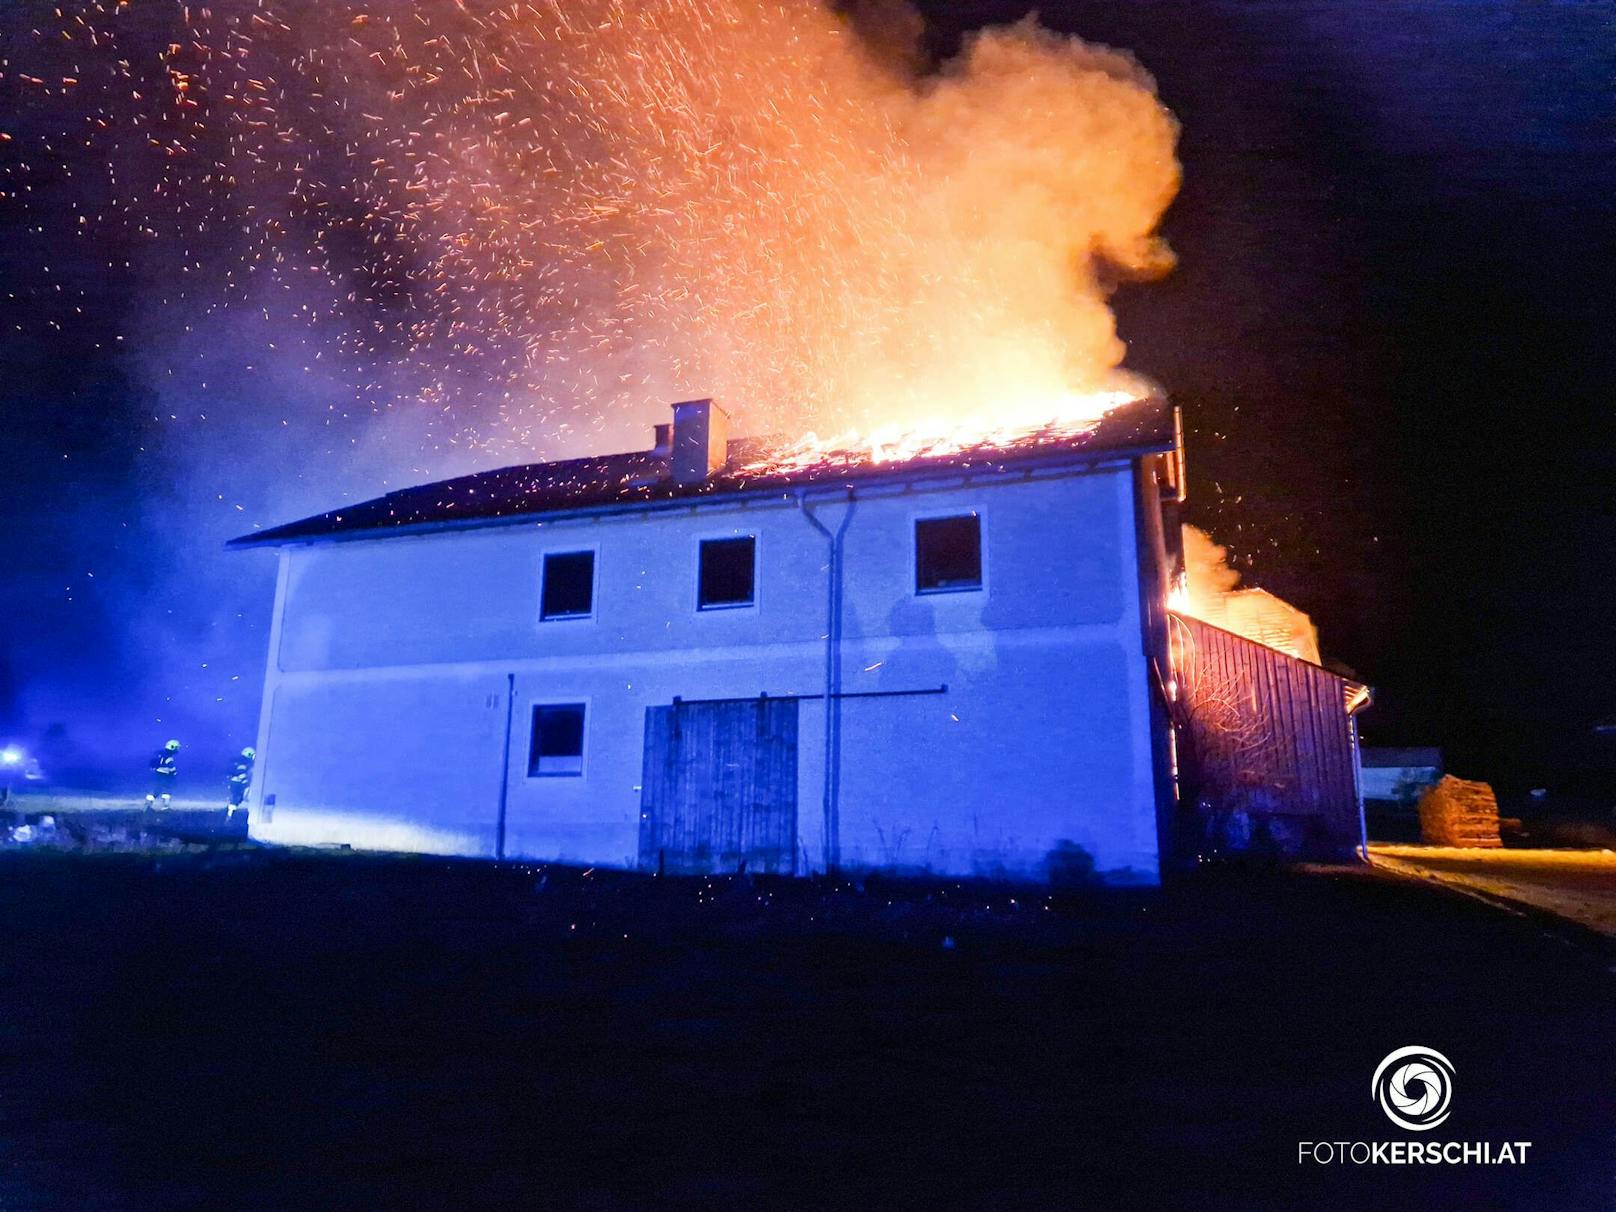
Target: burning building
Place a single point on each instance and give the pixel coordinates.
(713, 653)
(721, 655)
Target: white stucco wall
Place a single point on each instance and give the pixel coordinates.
(1396, 782)
(386, 701)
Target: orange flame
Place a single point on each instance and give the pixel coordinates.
(1069, 416)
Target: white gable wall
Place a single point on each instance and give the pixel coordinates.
(385, 712)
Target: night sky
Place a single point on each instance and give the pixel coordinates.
(1388, 329)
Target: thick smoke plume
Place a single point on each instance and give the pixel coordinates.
(369, 244)
(537, 218)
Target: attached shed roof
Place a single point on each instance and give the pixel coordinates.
(640, 478)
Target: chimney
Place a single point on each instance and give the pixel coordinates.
(662, 440)
(700, 441)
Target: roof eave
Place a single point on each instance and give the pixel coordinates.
(1010, 464)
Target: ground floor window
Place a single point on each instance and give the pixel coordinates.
(558, 740)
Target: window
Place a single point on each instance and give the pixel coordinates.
(558, 740)
(728, 568)
(569, 585)
(948, 554)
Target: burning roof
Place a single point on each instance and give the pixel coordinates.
(751, 465)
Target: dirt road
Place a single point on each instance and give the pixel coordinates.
(1579, 885)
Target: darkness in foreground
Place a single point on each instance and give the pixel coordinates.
(281, 1030)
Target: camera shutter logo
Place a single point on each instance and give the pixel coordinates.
(1414, 1086)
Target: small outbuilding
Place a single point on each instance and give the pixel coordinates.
(1398, 776)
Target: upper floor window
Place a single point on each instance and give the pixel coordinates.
(569, 585)
(557, 746)
(728, 573)
(948, 554)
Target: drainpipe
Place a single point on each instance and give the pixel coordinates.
(1357, 788)
(833, 674)
(505, 767)
(1358, 703)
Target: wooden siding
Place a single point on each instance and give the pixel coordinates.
(719, 790)
(1266, 749)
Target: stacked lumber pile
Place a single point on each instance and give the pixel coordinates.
(1459, 812)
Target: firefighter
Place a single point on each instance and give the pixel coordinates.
(240, 779)
(165, 768)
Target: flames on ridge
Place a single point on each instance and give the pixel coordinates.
(1069, 416)
(1210, 590)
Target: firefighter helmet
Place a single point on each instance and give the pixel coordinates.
(172, 746)
(249, 753)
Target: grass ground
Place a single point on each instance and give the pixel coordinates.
(280, 1030)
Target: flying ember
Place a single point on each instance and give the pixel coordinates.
(515, 228)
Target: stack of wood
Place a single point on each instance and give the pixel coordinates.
(1459, 812)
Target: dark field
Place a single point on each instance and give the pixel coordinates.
(251, 1029)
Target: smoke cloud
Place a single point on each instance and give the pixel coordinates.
(363, 246)
(541, 218)
(1213, 592)
(1207, 574)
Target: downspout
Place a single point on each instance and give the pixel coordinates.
(833, 673)
(1358, 704)
(1357, 788)
(505, 767)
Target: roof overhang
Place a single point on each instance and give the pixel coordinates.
(638, 482)
(783, 489)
